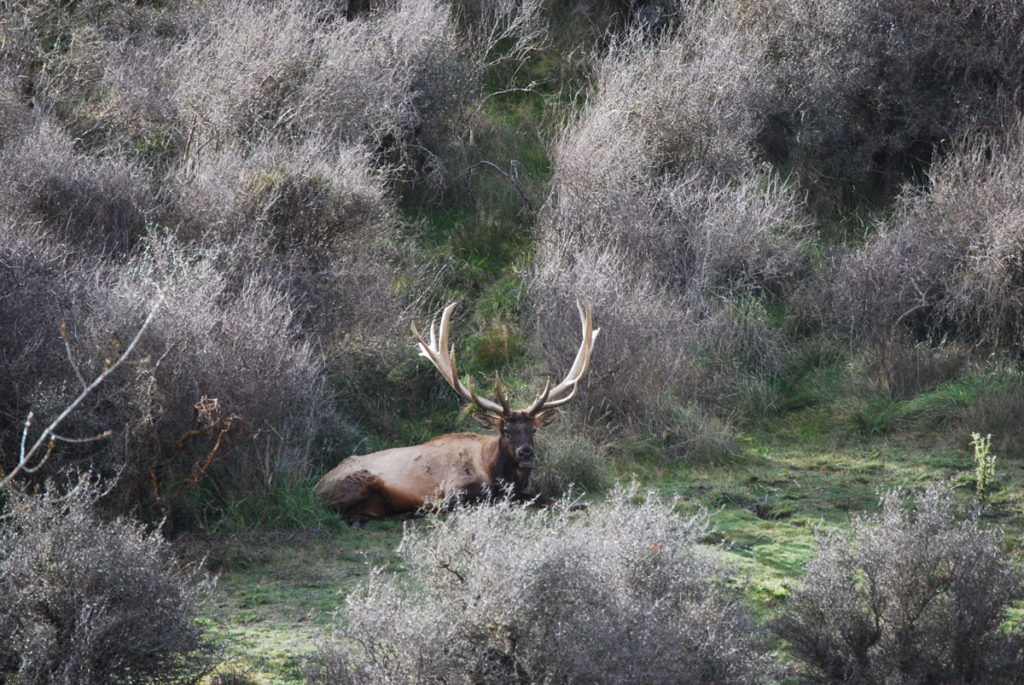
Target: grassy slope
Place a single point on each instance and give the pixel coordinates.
(819, 465)
(277, 592)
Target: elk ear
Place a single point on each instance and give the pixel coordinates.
(489, 421)
(545, 417)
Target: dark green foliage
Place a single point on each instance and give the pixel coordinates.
(907, 597)
(91, 602)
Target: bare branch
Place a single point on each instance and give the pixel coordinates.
(48, 436)
(512, 175)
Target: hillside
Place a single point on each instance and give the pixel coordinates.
(798, 223)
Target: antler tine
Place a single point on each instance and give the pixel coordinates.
(541, 399)
(501, 395)
(550, 398)
(442, 356)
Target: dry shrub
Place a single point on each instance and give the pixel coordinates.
(87, 601)
(220, 385)
(392, 79)
(500, 31)
(619, 593)
(948, 262)
(312, 197)
(640, 354)
(318, 208)
(866, 89)
(663, 222)
(98, 203)
(397, 80)
(239, 70)
(907, 596)
(98, 66)
(235, 344)
(42, 284)
(16, 117)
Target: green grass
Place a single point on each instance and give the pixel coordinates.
(277, 592)
(820, 450)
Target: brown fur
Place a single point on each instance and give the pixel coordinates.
(401, 480)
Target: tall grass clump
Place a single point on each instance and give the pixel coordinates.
(909, 595)
(662, 218)
(619, 593)
(867, 90)
(88, 601)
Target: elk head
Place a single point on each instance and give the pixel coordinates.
(516, 428)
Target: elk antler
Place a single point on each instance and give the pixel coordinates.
(551, 397)
(442, 355)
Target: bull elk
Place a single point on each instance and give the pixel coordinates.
(402, 480)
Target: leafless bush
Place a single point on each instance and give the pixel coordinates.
(221, 386)
(907, 597)
(948, 262)
(675, 269)
(687, 103)
(311, 197)
(318, 208)
(869, 88)
(619, 593)
(16, 117)
(41, 285)
(642, 351)
(228, 383)
(397, 80)
(662, 219)
(239, 70)
(98, 203)
(87, 601)
(97, 66)
(499, 31)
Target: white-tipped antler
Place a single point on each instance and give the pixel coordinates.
(552, 397)
(442, 355)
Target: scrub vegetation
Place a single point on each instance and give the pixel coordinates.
(799, 224)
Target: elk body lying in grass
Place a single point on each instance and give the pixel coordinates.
(470, 465)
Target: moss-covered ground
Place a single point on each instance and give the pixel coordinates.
(277, 592)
